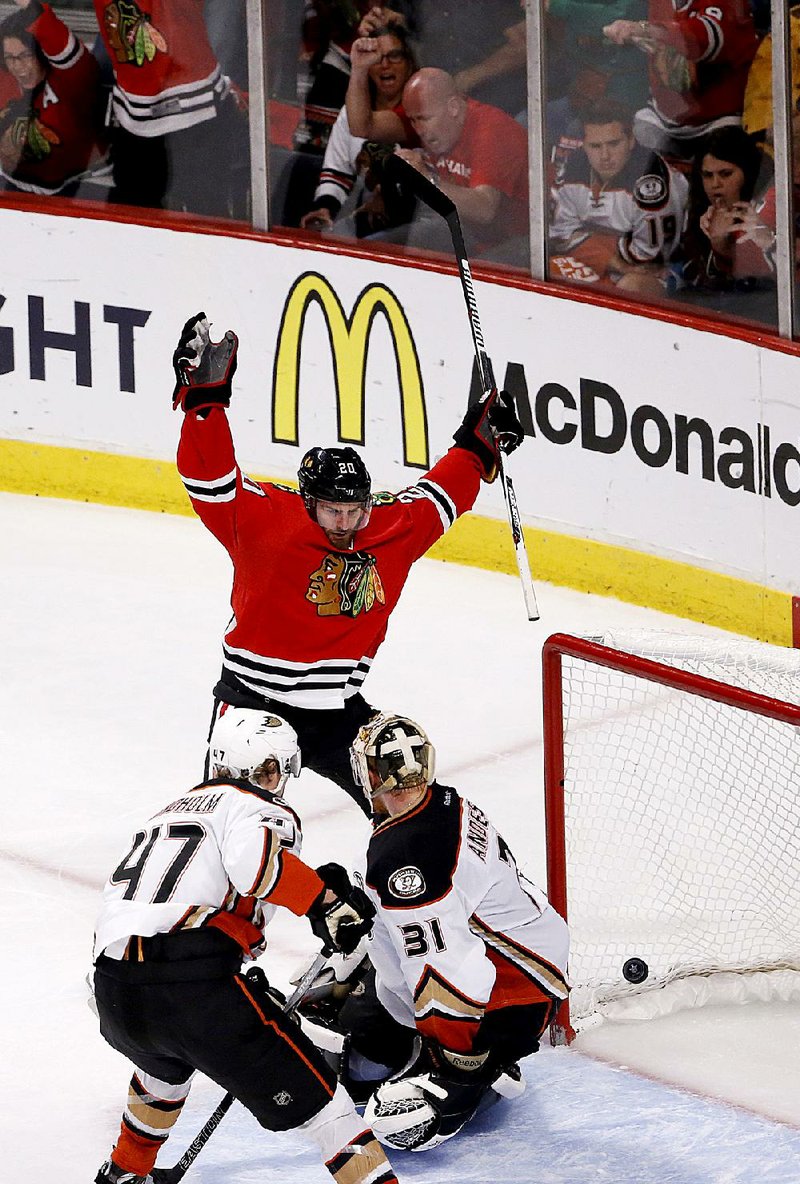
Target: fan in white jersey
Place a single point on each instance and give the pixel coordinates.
(180, 912)
(468, 955)
(618, 209)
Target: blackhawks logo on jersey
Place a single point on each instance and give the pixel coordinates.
(26, 139)
(345, 585)
(131, 35)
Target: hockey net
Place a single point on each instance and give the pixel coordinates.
(672, 788)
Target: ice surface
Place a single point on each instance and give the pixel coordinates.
(110, 637)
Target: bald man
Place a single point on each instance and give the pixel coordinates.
(475, 153)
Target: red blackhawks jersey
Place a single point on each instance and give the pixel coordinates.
(308, 619)
(166, 77)
(221, 856)
(458, 930)
(699, 67)
(53, 135)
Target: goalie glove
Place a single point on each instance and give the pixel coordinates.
(344, 920)
(204, 369)
(490, 427)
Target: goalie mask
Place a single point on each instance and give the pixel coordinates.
(392, 752)
(243, 741)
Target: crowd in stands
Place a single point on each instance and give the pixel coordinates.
(657, 122)
(687, 205)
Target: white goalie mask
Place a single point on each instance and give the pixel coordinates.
(243, 739)
(392, 752)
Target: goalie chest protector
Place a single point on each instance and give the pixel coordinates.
(412, 859)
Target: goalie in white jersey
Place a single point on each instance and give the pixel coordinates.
(468, 954)
(181, 911)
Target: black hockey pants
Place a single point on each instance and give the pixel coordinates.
(185, 1005)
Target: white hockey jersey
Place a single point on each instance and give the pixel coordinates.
(641, 211)
(458, 931)
(222, 855)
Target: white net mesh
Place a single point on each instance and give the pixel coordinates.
(681, 820)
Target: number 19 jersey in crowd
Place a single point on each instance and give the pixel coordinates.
(459, 932)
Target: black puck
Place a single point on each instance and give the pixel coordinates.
(635, 970)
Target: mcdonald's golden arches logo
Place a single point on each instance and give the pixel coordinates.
(349, 343)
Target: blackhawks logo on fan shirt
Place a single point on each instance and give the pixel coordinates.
(131, 35)
(345, 585)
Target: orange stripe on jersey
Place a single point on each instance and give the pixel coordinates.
(298, 885)
(271, 1024)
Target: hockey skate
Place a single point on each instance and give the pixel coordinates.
(110, 1173)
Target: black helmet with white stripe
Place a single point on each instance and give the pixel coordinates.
(392, 752)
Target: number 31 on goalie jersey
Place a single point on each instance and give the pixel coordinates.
(420, 937)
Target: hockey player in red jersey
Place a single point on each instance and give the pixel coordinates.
(468, 954)
(51, 129)
(185, 906)
(699, 57)
(316, 574)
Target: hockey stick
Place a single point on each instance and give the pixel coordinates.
(409, 178)
(178, 1171)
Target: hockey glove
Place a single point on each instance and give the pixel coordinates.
(204, 369)
(344, 920)
(463, 1067)
(490, 426)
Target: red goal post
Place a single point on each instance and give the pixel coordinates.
(672, 806)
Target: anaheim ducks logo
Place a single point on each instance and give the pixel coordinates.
(345, 585)
(131, 35)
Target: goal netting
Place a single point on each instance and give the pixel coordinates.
(672, 771)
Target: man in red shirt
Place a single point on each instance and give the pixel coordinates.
(476, 154)
(317, 574)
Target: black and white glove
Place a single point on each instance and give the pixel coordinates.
(345, 919)
(204, 369)
(491, 426)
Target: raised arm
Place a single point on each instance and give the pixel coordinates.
(386, 127)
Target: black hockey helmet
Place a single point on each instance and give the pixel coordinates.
(392, 752)
(333, 475)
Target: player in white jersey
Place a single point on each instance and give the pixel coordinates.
(181, 911)
(468, 955)
(618, 208)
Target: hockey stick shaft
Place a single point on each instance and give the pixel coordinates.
(441, 204)
(178, 1171)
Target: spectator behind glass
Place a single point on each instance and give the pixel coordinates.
(477, 154)
(481, 44)
(584, 66)
(619, 210)
(386, 78)
(179, 135)
(51, 128)
(328, 30)
(727, 242)
(699, 57)
(757, 115)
